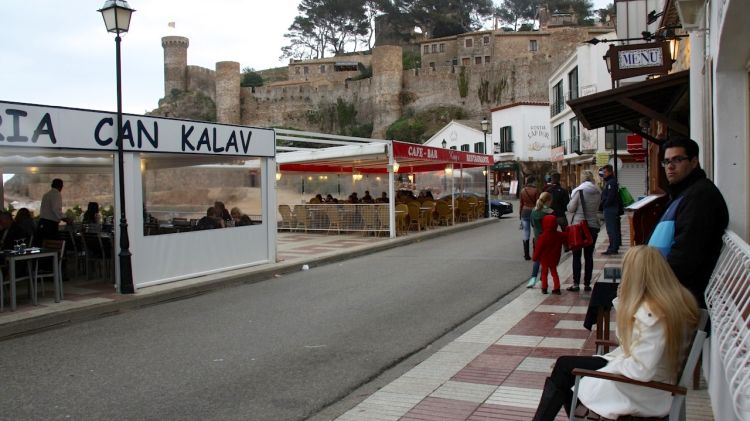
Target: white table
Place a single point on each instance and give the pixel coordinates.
(29, 256)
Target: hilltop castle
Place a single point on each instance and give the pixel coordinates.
(474, 71)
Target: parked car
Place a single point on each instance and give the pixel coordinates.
(498, 208)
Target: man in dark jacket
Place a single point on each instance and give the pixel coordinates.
(611, 208)
(690, 232)
(560, 199)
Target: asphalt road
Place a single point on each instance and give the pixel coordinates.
(281, 349)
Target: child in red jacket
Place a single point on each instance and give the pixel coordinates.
(548, 250)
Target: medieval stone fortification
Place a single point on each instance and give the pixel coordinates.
(475, 71)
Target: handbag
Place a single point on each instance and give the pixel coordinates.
(579, 235)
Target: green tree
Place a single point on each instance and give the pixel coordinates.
(251, 78)
(325, 26)
(436, 18)
(513, 11)
(582, 8)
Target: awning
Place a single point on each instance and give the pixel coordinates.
(373, 158)
(665, 99)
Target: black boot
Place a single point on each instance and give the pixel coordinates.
(550, 403)
(526, 255)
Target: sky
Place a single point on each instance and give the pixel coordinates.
(59, 53)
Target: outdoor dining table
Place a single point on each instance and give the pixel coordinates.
(29, 255)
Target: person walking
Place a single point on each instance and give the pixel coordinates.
(560, 199)
(690, 231)
(528, 197)
(654, 315)
(548, 250)
(584, 203)
(610, 205)
(540, 211)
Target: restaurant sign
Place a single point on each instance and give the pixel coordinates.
(557, 154)
(639, 59)
(37, 126)
(411, 151)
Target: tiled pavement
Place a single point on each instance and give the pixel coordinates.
(496, 370)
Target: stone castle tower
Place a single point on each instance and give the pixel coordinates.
(175, 63)
(387, 80)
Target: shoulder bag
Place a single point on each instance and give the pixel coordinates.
(579, 235)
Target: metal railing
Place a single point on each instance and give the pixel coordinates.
(335, 217)
(728, 300)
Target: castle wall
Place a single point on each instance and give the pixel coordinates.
(202, 80)
(228, 92)
(387, 79)
(175, 63)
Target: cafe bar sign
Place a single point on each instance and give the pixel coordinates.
(632, 60)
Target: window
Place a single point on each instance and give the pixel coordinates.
(442, 47)
(465, 61)
(296, 70)
(486, 39)
(453, 148)
(434, 48)
(305, 70)
(454, 62)
(478, 60)
(479, 147)
(432, 65)
(486, 59)
(469, 42)
(557, 135)
(573, 84)
(181, 210)
(506, 139)
(426, 49)
(557, 101)
(575, 141)
(465, 147)
(533, 46)
(616, 131)
(322, 68)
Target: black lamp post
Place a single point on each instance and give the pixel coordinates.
(116, 14)
(445, 144)
(485, 129)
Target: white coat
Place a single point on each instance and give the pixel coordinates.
(647, 362)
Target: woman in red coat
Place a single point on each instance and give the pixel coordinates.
(547, 251)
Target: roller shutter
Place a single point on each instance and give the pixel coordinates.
(633, 176)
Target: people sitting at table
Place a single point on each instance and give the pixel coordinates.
(25, 221)
(317, 199)
(330, 199)
(383, 198)
(244, 221)
(367, 198)
(92, 215)
(11, 231)
(210, 221)
(353, 198)
(236, 214)
(222, 213)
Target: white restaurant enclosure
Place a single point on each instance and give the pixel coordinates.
(59, 140)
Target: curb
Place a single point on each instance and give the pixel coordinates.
(208, 283)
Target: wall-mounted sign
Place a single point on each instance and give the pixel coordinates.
(557, 154)
(638, 59)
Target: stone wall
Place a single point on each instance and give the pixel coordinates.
(202, 80)
(228, 92)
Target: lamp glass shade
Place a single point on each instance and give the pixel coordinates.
(445, 144)
(116, 14)
(485, 125)
(395, 166)
(690, 12)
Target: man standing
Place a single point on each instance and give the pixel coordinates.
(50, 213)
(610, 206)
(690, 231)
(560, 199)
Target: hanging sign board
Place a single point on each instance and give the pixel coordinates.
(639, 59)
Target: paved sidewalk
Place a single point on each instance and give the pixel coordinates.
(496, 370)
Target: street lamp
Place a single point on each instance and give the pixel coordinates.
(116, 14)
(445, 144)
(485, 129)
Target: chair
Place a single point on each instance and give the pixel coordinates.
(369, 219)
(428, 206)
(47, 271)
(301, 217)
(18, 278)
(414, 215)
(97, 252)
(402, 211)
(464, 210)
(385, 219)
(287, 218)
(443, 213)
(334, 218)
(678, 389)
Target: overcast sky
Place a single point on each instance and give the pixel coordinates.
(57, 52)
